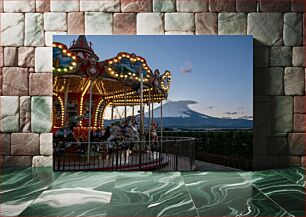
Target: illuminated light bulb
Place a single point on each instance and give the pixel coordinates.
(74, 63)
(60, 46)
(65, 69)
(119, 58)
(110, 62)
(69, 54)
(109, 69)
(115, 60)
(74, 57)
(64, 51)
(123, 55)
(54, 45)
(142, 60)
(70, 67)
(59, 70)
(116, 75)
(148, 70)
(128, 56)
(138, 58)
(143, 64)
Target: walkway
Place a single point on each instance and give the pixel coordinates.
(42, 192)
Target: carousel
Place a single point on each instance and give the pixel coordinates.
(84, 87)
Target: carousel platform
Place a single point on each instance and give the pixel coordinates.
(43, 192)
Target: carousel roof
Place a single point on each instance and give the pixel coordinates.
(113, 78)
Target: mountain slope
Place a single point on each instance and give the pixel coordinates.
(177, 114)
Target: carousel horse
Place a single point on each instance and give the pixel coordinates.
(125, 133)
(65, 134)
(154, 137)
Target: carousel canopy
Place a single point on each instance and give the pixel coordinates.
(116, 79)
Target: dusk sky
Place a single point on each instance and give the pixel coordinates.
(215, 71)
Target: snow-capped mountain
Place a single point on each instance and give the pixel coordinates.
(179, 109)
(177, 114)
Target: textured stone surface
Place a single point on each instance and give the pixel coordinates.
(124, 23)
(156, 24)
(55, 21)
(136, 5)
(1, 81)
(42, 5)
(34, 30)
(15, 81)
(278, 145)
(271, 6)
(259, 81)
(262, 122)
(246, 5)
(26, 56)
(42, 161)
(280, 56)
(18, 161)
(299, 104)
(98, 23)
(1, 56)
(40, 84)
(76, 23)
(294, 81)
(179, 33)
(296, 143)
(261, 56)
(101, 5)
(289, 161)
(299, 124)
(25, 144)
(19, 6)
(9, 114)
(179, 22)
(41, 121)
(191, 5)
(266, 28)
(206, 23)
(293, 29)
(10, 56)
(25, 114)
(297, 6)
(232, 23)
(49, 37)
(298, 56)
(222, 5)
(304, 29)
(5, 144)
(282, 117)
(265, 162)
(12, 24)
(46, 147)
(43, 59)
(163, 5)
(64, 6)
(274, 81)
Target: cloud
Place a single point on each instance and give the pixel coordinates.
(230, 113)
(187, 68)
(208, 107)
(246, 117)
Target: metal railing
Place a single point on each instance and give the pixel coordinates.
(172, 154)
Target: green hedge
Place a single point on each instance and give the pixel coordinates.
(235, 143)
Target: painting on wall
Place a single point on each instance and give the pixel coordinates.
(166, 103)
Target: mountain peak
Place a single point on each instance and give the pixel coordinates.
(176, 109)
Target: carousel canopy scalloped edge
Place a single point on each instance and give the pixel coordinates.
(124, 68)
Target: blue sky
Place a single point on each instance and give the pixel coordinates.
(215, 71)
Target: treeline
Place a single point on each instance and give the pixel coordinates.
(232, 148)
